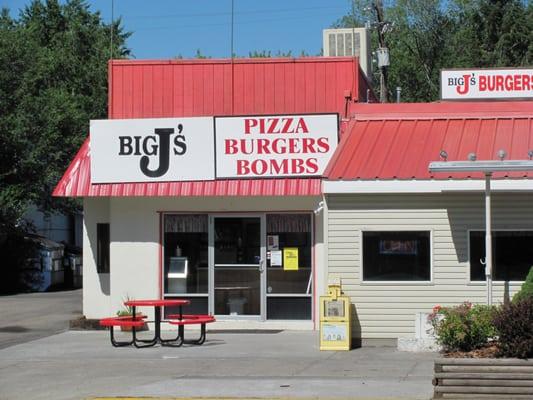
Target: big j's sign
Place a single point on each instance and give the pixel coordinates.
(474, 84)
(185, 149)
(146, 150)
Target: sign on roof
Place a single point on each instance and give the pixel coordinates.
(472, 84)
(152, 150)
(273, 146)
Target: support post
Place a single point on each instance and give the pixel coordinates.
(488, 239)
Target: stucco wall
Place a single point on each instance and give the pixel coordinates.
(96, 287)
(135, 236)
(387, 310)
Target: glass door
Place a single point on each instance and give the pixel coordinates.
(238, 248)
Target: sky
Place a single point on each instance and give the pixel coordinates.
(170, 28)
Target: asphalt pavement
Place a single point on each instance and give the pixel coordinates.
(30, 316)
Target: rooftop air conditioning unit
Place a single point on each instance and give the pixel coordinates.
(349, 42)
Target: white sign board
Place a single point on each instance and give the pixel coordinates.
(150, 150)
(272, 146)
(487, 84)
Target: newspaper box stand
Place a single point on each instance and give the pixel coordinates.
(335, 324)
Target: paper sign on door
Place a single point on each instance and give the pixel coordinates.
(290, 259)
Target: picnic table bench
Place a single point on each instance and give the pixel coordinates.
(138, 321)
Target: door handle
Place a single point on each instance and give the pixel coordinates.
(262, 266)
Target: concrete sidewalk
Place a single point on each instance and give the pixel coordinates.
(78, 365)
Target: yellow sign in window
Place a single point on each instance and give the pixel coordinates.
(290, 258)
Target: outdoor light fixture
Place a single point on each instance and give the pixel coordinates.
(443, 155)
(486, 167)
(319, 208)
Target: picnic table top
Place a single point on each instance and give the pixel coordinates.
(157, 303)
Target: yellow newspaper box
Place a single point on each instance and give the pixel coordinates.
(335, 321)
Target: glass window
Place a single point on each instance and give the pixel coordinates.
(396, 256)
(185, 254)
(289, 231)
(102, 248)
(512, 255)
(237, 241)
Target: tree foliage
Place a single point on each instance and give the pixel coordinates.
(53, 80)
(427, 36)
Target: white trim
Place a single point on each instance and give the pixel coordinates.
(482, 282)
(424, 186)
(400, 229)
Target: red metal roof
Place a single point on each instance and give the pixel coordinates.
(398, 141)
(76, 182)
(184, 88)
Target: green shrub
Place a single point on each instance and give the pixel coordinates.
(463, 327)
(527, 288)
(514, 322)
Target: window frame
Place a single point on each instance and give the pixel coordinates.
(162, 252)
(401, 229)
(484, 281)
(99, 268)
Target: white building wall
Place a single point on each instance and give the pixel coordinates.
(96, 287)
(387, 310)
(135, 238)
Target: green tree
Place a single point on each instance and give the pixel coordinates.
(53, 80)
(427, 36)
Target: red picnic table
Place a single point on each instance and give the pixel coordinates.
(135, 322)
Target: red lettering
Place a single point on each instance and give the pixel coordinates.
(293, 146)
(308, 145)
(517, 82)
(491, 83)
(263, 146)
(249, 123)
(508, 83)
(230, 146)
(243, 167)
(279, 167)
(279, 149)
(312, 165)
(273, 124)
(247, 149)
(259, 167)
(297, 166)
(288, 122)
(482, 83)
(323, 145)
(301, 126)
(499, 82)
(466, 85)
(526, 82)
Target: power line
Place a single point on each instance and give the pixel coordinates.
(177, 27)
(225, 13)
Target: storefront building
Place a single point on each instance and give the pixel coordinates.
(222, 229)
(287, 182)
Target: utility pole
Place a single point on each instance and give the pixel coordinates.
(382, 52)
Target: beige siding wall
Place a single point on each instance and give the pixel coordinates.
(387, 310)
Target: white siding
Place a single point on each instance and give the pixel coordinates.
(387, 310)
